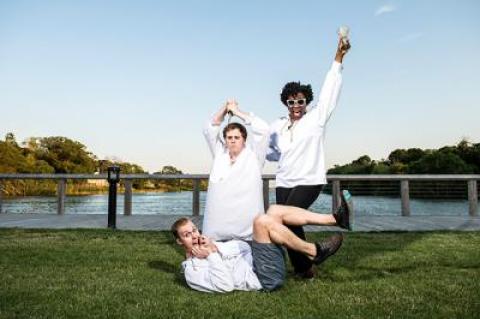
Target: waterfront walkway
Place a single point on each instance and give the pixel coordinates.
(163, 222)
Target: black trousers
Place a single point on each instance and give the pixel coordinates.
(301, 196)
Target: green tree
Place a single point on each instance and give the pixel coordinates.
(406, 156)
(440, 162)
(65, 155)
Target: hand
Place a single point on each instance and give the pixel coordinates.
(342, 49)
(200, 252)
(207, 243)
(232, 106)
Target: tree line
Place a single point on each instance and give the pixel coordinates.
(57, 155)
(463, 158)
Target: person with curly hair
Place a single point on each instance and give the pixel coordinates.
(297, 144)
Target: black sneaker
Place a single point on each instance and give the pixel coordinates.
(327, 248)
(342, 215)
(307, 274)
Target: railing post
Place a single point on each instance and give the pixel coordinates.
(336, 200)
(196, 198)
(1, 195)
(472, 198)
(61, 188)
(405, 197)
(127, 198)
(266, 193)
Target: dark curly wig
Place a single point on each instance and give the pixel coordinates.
(293, 88)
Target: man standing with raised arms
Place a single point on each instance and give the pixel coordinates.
(234, 196)
(297, 143)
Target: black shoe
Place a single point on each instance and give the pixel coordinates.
(327, 248)
(307, 274)
(342, 215)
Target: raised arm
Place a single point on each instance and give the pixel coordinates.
(212, 128)
(259, 133)
(331, 88)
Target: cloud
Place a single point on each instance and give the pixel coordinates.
(385, 9)
(411, 37)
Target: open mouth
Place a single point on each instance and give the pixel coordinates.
(298, 112)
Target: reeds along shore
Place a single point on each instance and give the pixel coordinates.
(49, 187)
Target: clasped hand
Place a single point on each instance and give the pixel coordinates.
(204, 248)
(231, 106)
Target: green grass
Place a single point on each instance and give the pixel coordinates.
(124, 274)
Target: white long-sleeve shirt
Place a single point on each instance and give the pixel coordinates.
(235, 196)
(299, 148)
(228, 269)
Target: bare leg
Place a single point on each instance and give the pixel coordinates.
(290, 215)
(267, 229)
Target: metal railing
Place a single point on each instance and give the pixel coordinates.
(335, 180)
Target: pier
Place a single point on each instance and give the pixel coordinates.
(129, 221)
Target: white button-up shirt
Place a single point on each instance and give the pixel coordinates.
(299, 147)
(235, 196)
(228, 269)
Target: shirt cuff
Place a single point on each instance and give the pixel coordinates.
(336, 67)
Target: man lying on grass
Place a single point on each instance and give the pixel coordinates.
(239, 265)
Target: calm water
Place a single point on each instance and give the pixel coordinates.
(179, 203)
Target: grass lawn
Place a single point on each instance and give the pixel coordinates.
(125, 274)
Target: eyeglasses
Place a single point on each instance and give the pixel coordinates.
(300, 102)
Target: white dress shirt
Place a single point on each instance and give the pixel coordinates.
(228, 269)
(299, 147)
(235, 193)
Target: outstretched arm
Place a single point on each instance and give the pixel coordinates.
(331, 88)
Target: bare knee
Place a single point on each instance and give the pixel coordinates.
(274, 210)
(261, 228)
(262, 221)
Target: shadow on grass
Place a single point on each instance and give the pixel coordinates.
(359, 249)
(169, 268)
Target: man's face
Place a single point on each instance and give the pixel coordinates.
(297, 105)
(188, 236)
(235, 141)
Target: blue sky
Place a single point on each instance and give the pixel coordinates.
(136, 80)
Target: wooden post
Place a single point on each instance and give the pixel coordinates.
(266, 194)
(196, 198)
(61, 188)
(1, 195)
(405, 197)
(336, 200)
(127, 198)
(472, 198)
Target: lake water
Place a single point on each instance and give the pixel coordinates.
(180, 203)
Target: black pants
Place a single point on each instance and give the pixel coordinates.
(299, 196)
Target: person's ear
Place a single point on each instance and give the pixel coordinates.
(179, 242)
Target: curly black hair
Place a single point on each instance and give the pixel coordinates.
(293, 88)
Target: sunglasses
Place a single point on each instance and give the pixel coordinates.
(299, 102)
